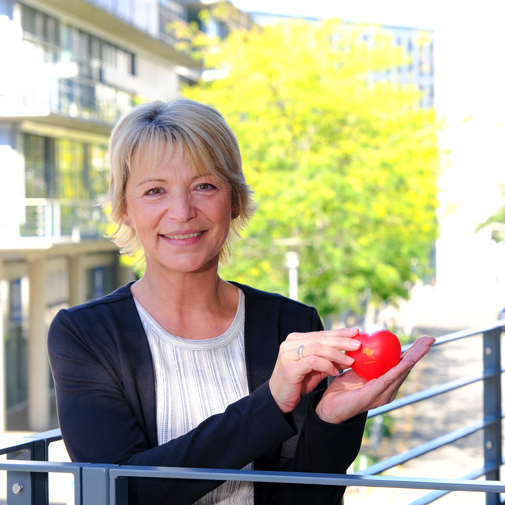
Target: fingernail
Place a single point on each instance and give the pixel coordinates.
(349, 360)
(355, 343)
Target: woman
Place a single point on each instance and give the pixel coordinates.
(184, 369)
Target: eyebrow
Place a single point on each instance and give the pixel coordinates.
(149, 179)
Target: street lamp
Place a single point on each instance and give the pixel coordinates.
(292, 261)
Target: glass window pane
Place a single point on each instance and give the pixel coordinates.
(35, 156)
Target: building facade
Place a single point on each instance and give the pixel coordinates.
(69, 70)
(417, 44)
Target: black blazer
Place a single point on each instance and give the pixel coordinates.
(105, 392)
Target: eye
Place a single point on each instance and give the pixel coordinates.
(205, 186)
(154, 191)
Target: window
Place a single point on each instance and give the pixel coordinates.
(100, 281)
(39, 166)
(81, 61)
(41, 26)
(16, 348)
(70, 170)
(65, 169)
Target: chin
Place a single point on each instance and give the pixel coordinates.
(189, 266)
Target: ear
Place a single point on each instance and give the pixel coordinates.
(125, 219)
(235, 213)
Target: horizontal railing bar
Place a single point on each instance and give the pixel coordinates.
(430, 393)
(306, 478)
(48, 436)
(470, 332)
(27, 441)
(16, 445)
(64, 202)
(42, 466)
(435, 495)
(430, 497)
(436, 443)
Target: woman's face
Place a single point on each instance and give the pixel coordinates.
(181, 217)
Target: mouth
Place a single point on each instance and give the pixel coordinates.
(183, 237)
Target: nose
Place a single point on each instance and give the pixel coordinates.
(181, 208)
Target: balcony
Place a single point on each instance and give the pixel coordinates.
(61, 90)
(140, 22)
(45, 222)
(101, 484)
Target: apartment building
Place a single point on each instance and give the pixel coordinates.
(418, 45)
(68, 70)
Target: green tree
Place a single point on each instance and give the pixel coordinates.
(496, 222)
(343, 165)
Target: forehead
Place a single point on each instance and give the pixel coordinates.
(152, 155)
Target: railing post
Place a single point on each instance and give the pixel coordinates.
(24, 487)
(95, 484)
(56, 220)
(19, 484)
(118, 489)
(40, 488)
(48, 220)
(492, 408)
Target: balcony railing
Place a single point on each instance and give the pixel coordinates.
(62, 220)
(149, 16)
(28, 466)
(59, 89)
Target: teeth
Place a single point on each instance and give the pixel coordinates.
(181, 237)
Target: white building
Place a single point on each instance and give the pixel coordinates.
(68, 70)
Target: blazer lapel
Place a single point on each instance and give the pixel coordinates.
(261, 337)
(138, 369)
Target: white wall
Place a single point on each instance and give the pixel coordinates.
(470, 100)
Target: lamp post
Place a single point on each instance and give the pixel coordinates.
(292, 261)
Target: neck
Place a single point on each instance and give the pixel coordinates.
(178, 288)
(190, 305)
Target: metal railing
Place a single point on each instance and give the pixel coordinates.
(100, 484)
(58, 219)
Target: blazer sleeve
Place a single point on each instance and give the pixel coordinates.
(99, 423)
(324, 448)
(321, 447)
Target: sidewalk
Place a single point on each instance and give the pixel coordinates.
(418, 423)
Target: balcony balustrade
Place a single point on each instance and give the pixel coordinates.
(52, 221)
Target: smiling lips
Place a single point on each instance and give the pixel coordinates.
(182, 237)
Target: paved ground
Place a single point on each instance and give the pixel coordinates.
(419, 423)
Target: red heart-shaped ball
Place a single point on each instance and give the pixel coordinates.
(379, 352)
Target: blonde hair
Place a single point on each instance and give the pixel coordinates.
(200, 132)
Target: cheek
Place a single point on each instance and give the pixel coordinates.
(223, 215)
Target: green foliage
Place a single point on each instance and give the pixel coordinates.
(497, 222)
(343, 166)
(387, 426)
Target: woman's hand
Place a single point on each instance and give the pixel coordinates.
(293, 377)
(349, 394)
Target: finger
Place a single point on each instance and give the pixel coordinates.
(388, 385)
(322, 335)
(314, 364)
(316, 341)
(384, 389)
(420, 348)
(327, 352)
